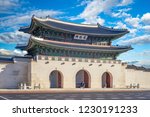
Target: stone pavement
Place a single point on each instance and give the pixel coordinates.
(80, 94)
(59, 90)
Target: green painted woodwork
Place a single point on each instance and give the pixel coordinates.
(51, 51)
(63, 36)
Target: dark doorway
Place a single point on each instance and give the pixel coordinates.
(55, 79)
(82, 76)
(107, 81)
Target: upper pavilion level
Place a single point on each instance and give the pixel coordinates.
(53, 29)
(53, 37)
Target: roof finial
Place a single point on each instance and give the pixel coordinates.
(33, 16)
(47, 16)
(98, 24)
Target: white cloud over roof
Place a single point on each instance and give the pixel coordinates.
(12, 52)
(144, 39)
(133, 21)
(14, 22)
(14, 37)
(25, 18)
(93, 9)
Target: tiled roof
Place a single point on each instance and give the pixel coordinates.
(75, 28)
(6, 59)
(75, 46)
(138, 68)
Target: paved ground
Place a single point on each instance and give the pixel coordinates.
(127, 95)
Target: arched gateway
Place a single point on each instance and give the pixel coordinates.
(56, 79)
(82, 76)
(107, 80)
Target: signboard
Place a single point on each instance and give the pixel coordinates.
(80, 37)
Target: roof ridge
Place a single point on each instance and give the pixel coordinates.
(65, 22)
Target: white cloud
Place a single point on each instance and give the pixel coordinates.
(8, 3)
(133, 31)
(145, 39)
(12, 52)
(94, 8)
(138, 24)
(121, 25)
(94, 20)
(146, 18)
(25, 18)
(144, 53)
(19, 52)
(133, 21)
(125, 2)
(14, 37)
(140, 58)
(145, 63)
(141, 63)
(44, 13)
(146, 28)
(84, 2)
(132, 24)
(5, 52)
(14, 22)
(122, 13)
(125, 9)
(8, 6)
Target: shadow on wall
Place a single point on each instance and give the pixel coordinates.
(12, 74)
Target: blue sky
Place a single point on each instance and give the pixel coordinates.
(131, 14)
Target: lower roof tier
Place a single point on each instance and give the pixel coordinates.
(41, 46)
(65, 45)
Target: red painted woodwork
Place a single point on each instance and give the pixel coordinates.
(86, 79)
(59, 80)
(108, 80)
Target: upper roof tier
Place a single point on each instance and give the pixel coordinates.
(95, 30)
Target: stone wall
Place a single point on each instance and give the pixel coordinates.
(137, 77)
(41, 69)
(37, 73)
(12, 74)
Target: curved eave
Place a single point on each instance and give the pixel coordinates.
(24, 29)
(72, 46)
(21, 47)
(38, 21)
(6, 59)
(25, 47)
(29, 29)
